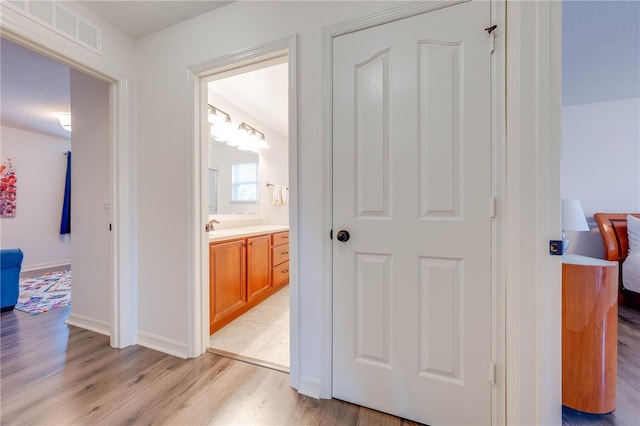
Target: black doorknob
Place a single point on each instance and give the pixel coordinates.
(343, 236)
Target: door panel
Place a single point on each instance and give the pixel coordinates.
(412, 184)
(371, 139)
(372, 307)
(227, 281)
(258, 266)
(440, 294)
(439, 134)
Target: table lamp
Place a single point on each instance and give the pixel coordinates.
(572, 220)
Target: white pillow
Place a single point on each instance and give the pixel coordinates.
(633, 231)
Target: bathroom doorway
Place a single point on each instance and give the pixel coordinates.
(248, 175)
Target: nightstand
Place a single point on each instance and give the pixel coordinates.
(589, 333)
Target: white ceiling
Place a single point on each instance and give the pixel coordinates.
(33, 89)
(262, 93)
(601, 60)
(141, 18)
(600, 51)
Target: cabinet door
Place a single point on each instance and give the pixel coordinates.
(258, 266)
(226, 280)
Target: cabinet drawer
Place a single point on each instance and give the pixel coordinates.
(280, 274)
(280, 238)
(280, 254)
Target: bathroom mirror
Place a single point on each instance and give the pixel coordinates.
(234, 184)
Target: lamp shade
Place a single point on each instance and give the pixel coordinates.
(573, 216)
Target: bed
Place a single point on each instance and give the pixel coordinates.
(616, 241)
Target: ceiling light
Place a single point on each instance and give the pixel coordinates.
(251, 137)
(222, 128)
(216, 115)
(243, 137)
(65, 120)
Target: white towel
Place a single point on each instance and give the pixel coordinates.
(277, 195)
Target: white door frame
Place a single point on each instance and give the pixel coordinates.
(526, 346)
(532, 213)
(198, 215)
(122, 261)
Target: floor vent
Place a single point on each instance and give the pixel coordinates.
(61, 20)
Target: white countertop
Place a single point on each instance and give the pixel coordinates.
(245, 231)
(574, 259)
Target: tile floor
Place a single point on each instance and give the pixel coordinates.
(261, 333)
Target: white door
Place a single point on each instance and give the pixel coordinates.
(412, 185)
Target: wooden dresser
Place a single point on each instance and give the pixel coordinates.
(589, 333)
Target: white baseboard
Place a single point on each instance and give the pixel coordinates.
(162, 344)
(49, 265)
(92, 324)
(310, 386)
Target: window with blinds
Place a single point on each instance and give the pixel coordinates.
(244, 181)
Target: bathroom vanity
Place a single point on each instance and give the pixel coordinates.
(246, 265)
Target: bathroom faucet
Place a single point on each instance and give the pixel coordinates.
(209, 226)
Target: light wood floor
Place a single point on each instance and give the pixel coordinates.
(51, 373)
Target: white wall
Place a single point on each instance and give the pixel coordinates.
(274, 169)
(90, 189)
(41, 169)
(600, 163)
(163, 154)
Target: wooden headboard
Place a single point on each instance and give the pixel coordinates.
(613, 230)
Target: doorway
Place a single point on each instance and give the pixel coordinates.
(259, 210)
(248, 176)
(91, 248)
(34, 155)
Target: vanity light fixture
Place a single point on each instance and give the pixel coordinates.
(216, 115)
(251, 137)
(243, 137)
(65, 120)
(221, 125)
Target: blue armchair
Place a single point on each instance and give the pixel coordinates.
(10, 264)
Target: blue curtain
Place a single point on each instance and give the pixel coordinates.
(65, 224)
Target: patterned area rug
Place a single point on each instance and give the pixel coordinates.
(45, 292)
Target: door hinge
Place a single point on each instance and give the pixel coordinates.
(492, 207)
(331, 234)
(492, 373)
(109, 227)
(492, 37)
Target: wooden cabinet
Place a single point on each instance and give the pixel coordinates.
(280, 259)
(258, 266)
(226, 281)
(589, 334)
(243, 272)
